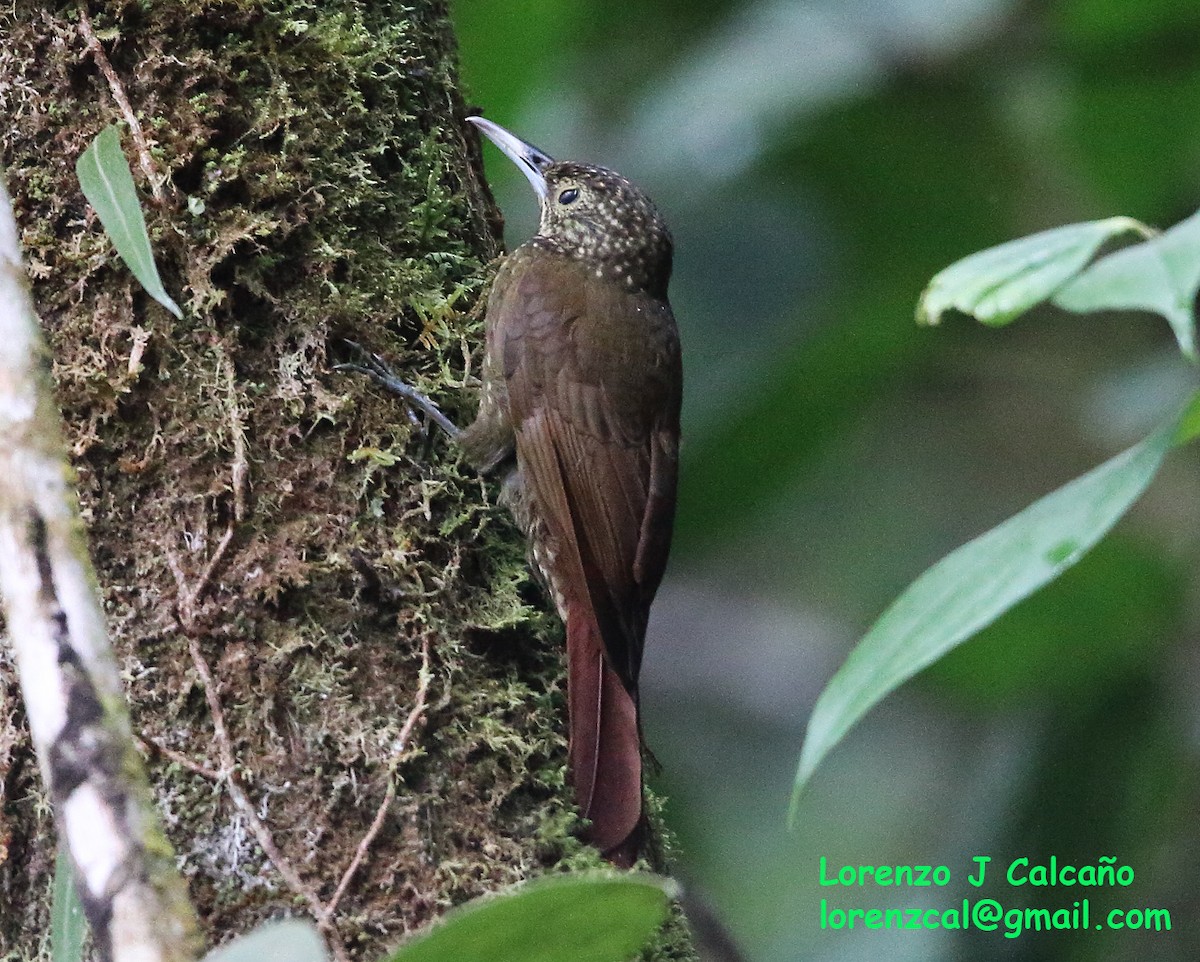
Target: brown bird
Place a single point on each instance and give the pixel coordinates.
(579, 414)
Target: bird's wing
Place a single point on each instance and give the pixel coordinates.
(593, 387)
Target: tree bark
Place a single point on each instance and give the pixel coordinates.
(347, 686)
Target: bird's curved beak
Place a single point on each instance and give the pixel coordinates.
(533, 162)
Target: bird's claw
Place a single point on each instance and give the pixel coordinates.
(377, 369)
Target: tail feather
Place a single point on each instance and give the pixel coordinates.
(605, 743)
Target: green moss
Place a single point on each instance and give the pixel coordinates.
(674, 942)
(317, 187)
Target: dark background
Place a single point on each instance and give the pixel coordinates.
(818, 162)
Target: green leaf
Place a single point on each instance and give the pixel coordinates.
(68, 924)
(291, 940)
(1001, 283)
(1161, 275)
(564, 918)
(108, 185)
(1189, 423)
(972, 586)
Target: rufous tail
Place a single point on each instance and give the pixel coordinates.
(605, 747)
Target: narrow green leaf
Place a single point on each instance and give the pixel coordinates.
(564, 918)
(975, 584)
(999, 284)
(68, 924)
(291, 940)
(1161, 275)
(1189, 423)
(108, 185)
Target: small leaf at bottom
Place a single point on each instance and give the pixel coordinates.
(568, 918)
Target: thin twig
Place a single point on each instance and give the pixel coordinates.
(189, 596)
(258, 828)
(145, 161)
(421, 699)
(239, 470)
(410, 723)
(206, 575)
(360, 853)
(179, 758)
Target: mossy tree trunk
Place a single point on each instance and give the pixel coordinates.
(280, 551)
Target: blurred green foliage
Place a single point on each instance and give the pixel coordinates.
(1100, 636)
(558, 918)
(819, 161)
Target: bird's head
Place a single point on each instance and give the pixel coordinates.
(592, 214)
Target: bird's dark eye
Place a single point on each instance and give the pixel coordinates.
(569, 196)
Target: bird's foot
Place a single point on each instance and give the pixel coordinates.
(376, 368)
